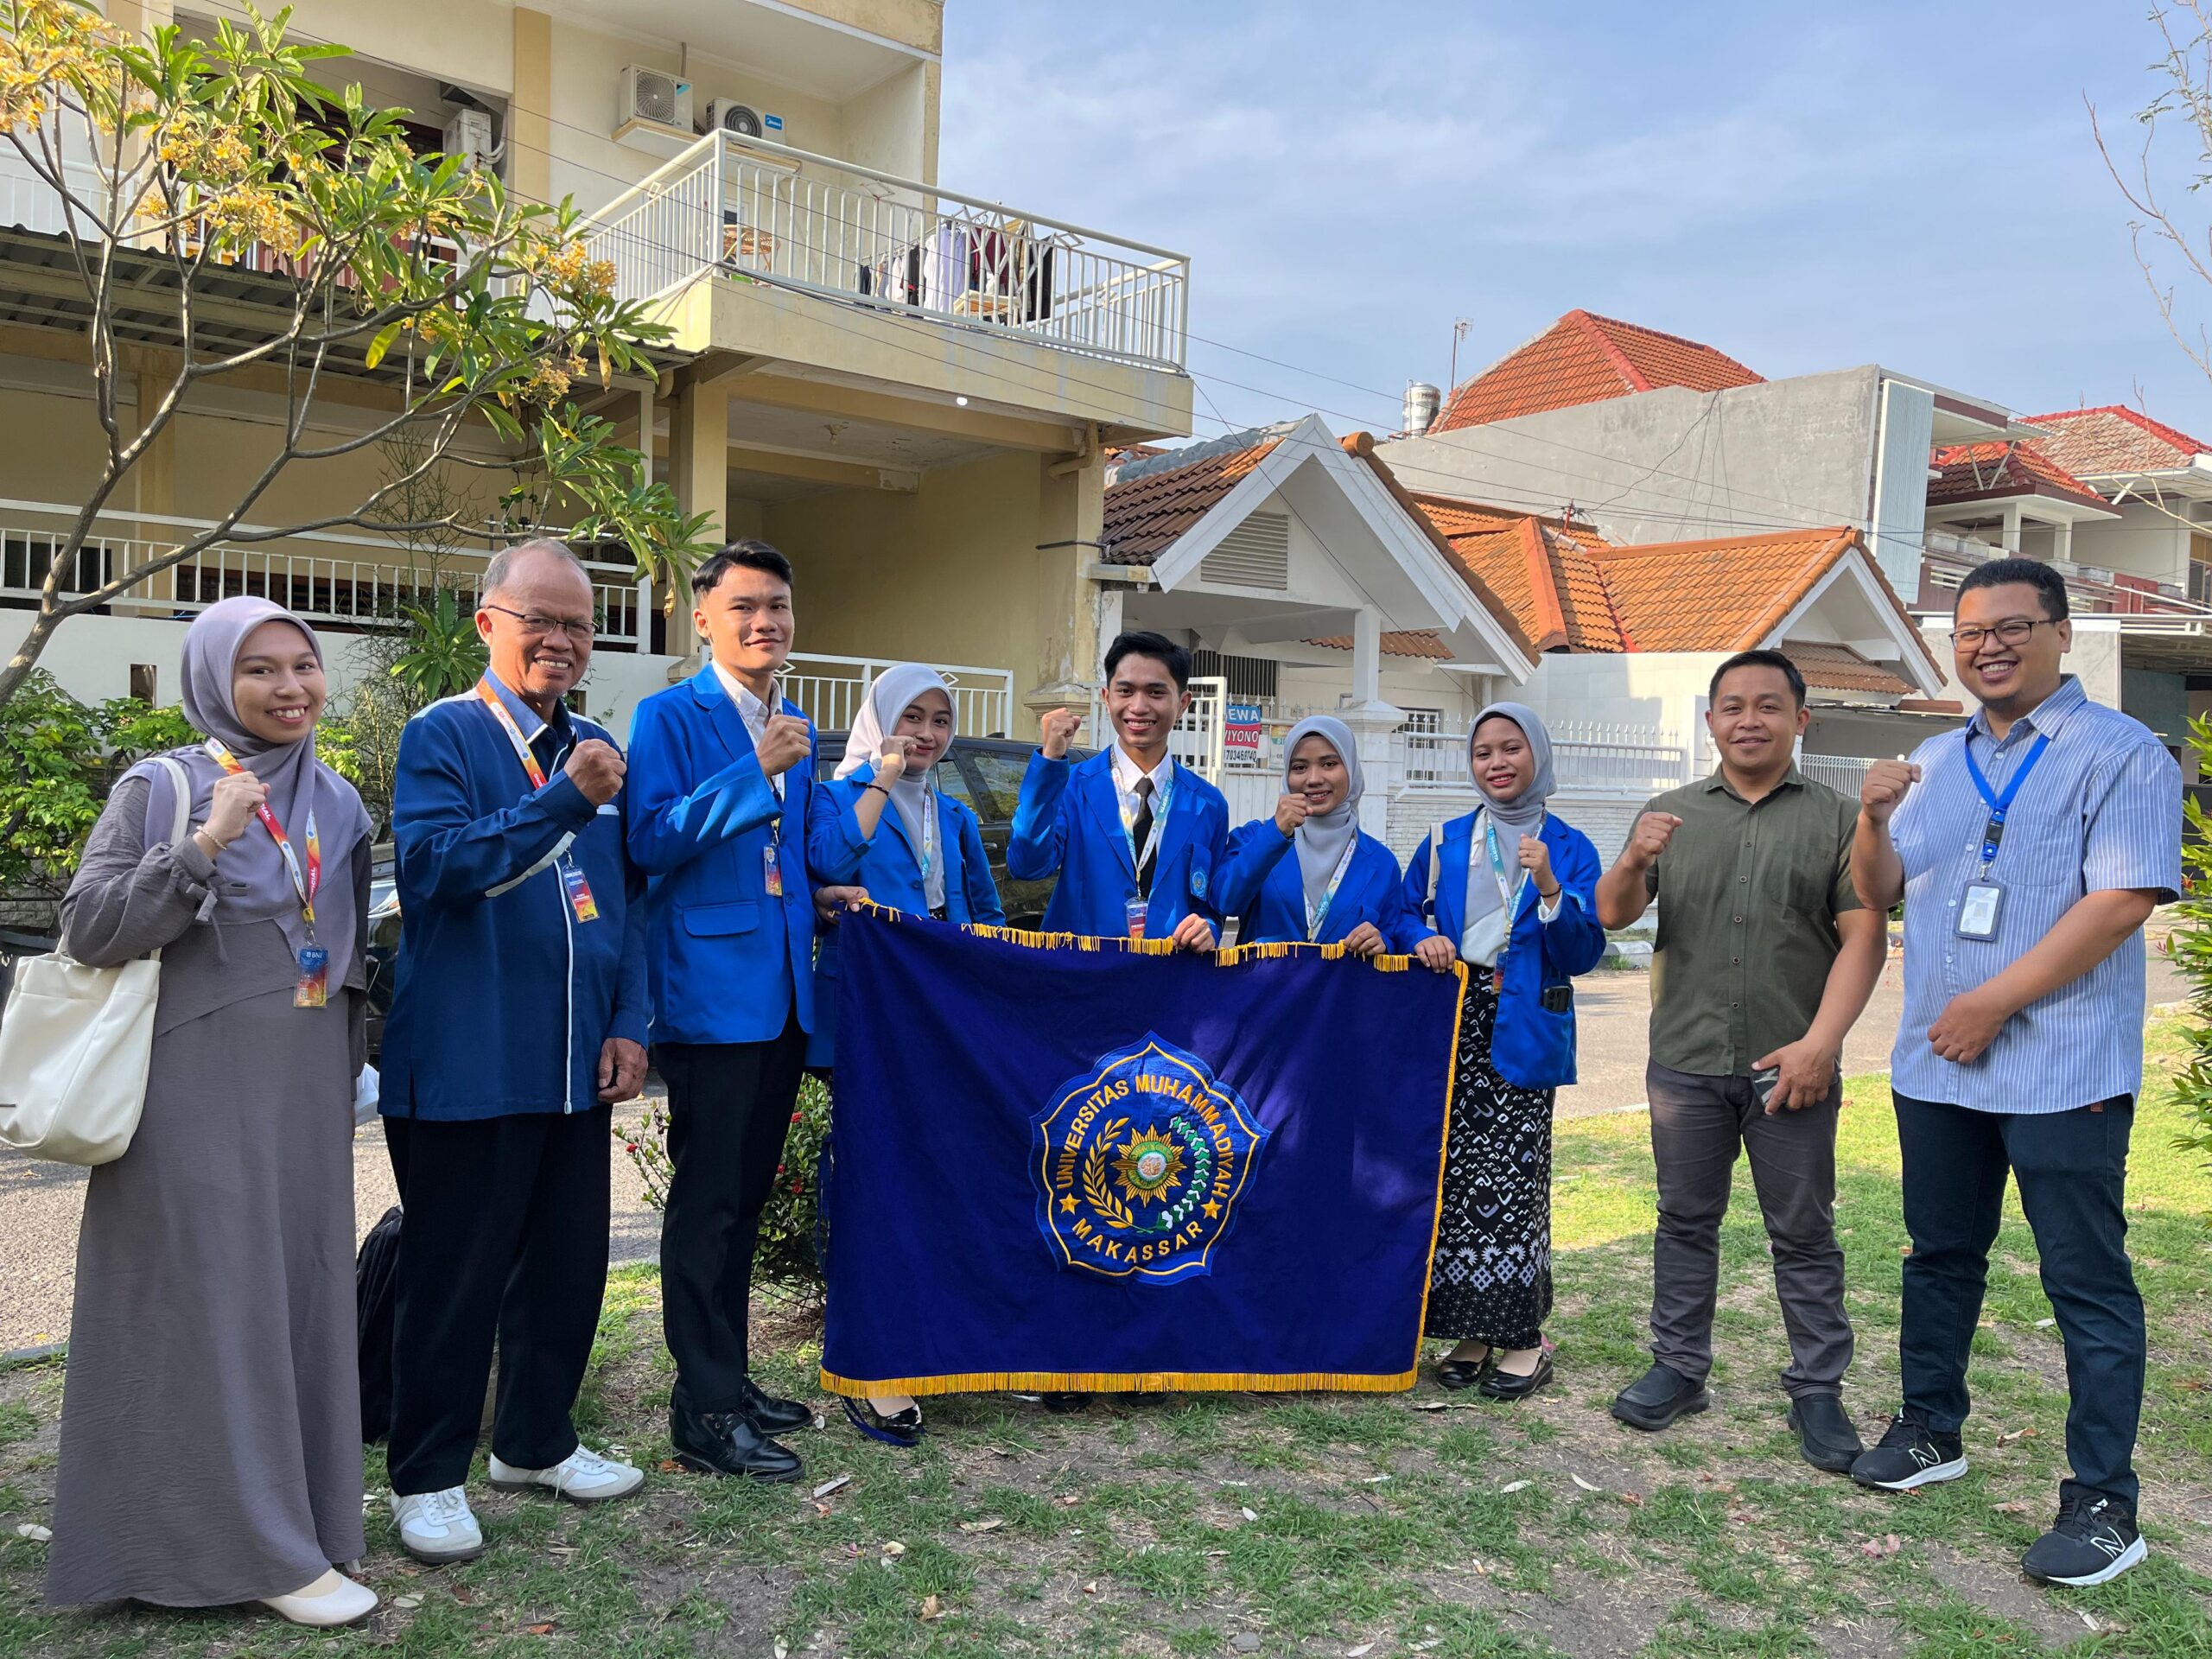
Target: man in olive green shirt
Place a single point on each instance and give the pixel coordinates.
(1764, 958)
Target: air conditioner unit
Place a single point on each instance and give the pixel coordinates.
(468, 132)
(653, 95)
(727, 115)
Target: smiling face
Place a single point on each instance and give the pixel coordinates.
(1504, 764)
(1144, 702)
(747, 621)
(2009, 678)
(538, 627)
(1755, 719)
(928, 721)
(1318, 773)
(276, 684)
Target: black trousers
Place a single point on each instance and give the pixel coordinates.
(2072, 1171)
(729, 1107)
(505, 1234)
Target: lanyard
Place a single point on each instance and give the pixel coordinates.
(1139, 855)
(927, 852)
(1993, 831)
(514, 732)
(1316, 914)
(307, 884)
(1508, 893)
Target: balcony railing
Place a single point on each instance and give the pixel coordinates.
(832, 689)
(1586, 754)
(358, 580)
(1947, 558)
(752, 209)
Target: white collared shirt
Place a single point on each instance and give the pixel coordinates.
(1126, 773)
(754, 712)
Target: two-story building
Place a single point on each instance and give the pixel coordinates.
(910, 389)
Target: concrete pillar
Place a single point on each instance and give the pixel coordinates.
(2011, 531)
(698, 453)
(1071, 513)
(529, 126)
(645, 448)
(2061, 546)
(1367, 656)
(1382, 760)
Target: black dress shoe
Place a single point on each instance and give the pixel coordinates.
(1457, 1374)
(1658, 1397)
(1498, 1383)
(771, 1415)
(899, 1428)
(1065, 1404)
(1825, 1436)
(725, 1443)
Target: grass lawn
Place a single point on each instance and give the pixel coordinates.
(1322, 1524)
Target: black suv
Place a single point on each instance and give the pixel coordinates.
(984, 771)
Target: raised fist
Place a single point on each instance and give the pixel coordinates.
(1649, 838)
(1290, 812)
(1883, 790)
(891, 764)
(595, 768)
(237, 794)
(1058, 729)
(787, 740)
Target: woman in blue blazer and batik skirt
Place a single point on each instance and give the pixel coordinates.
(1511, 891)
(1309, 874)
(925, 855)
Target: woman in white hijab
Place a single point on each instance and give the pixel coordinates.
(1342, 887)
(1511, 891)
(925, 856)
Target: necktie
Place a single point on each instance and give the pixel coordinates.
(1140, 833)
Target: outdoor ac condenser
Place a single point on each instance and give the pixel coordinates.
(653, 95)
(727, 115)
(469, 133)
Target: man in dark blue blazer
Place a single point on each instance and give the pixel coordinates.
(721, 781)
(1128, 832)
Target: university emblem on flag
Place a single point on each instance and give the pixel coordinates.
(1140, 1162)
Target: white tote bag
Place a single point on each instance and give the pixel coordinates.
(75, 1044)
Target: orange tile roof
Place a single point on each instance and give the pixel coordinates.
(1145, 514)
(1721, 594)
(1582, 359)
(1839, 668)
(2098, 442)
(1539, 568)
(1422, 643)
(2002, 472)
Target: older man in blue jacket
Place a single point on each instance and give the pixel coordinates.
(721, 796)
(518, 1017)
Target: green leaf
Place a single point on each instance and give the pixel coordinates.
(381, 344)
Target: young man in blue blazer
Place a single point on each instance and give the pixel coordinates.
(1131, 835)
(722, 786)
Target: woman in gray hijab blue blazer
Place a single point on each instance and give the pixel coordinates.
(1511, 891)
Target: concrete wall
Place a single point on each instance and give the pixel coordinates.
(2146, 540)
(2159, 700)
(1670, 465)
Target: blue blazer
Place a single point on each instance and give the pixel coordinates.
(890, 869)
(503, 999)
(1068, 823)
(1265, 891)
(1530, 1045)
(728, 963)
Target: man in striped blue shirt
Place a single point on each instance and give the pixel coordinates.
(2029, 849)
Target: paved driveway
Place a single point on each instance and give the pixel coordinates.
(40, 1203)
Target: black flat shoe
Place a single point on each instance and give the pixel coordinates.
(1457, 1374)
(771, 1415)
(900, 1428)
(1497, 1385)
(1654, 1400)
(1066, 1405)
(1825, 1437)
(725, 1443)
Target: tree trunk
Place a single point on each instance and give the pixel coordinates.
(20, 665)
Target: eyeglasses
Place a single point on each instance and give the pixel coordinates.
(2012, 631)
(534, 625)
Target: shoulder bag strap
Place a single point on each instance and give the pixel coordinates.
(1435, 863)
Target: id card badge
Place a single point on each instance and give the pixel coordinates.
(772, 872)
(1132, 916)
(578, 890)
(312, 990)
(1979, 908)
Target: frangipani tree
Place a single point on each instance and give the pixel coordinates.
(412, 282)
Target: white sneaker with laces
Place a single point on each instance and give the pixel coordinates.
(438, 1527)
(331, 1600)
(583, 1476)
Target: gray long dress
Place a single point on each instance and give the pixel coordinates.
(210, 1448)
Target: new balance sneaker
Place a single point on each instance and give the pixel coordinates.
(438, 1527)
(2093, 1541)
(1911, 1454)
(583, 1476)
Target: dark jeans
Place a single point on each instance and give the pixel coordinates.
(504, 1231)
(1697, 1126)
(729, 1107)
(2072, 1171)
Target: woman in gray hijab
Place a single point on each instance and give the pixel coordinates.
(1511, 891)
(211, 1426)
(1341, 885)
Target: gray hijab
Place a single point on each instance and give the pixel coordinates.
(1524, 815)
(892, 694)
(253, 881)
(1323, 836)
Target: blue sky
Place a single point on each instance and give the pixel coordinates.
(1915, 185)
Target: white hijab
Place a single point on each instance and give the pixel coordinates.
(1323, 836)
(913, 794)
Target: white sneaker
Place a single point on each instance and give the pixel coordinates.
(438, 1527)
(332, 1599)
(583, 1476)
